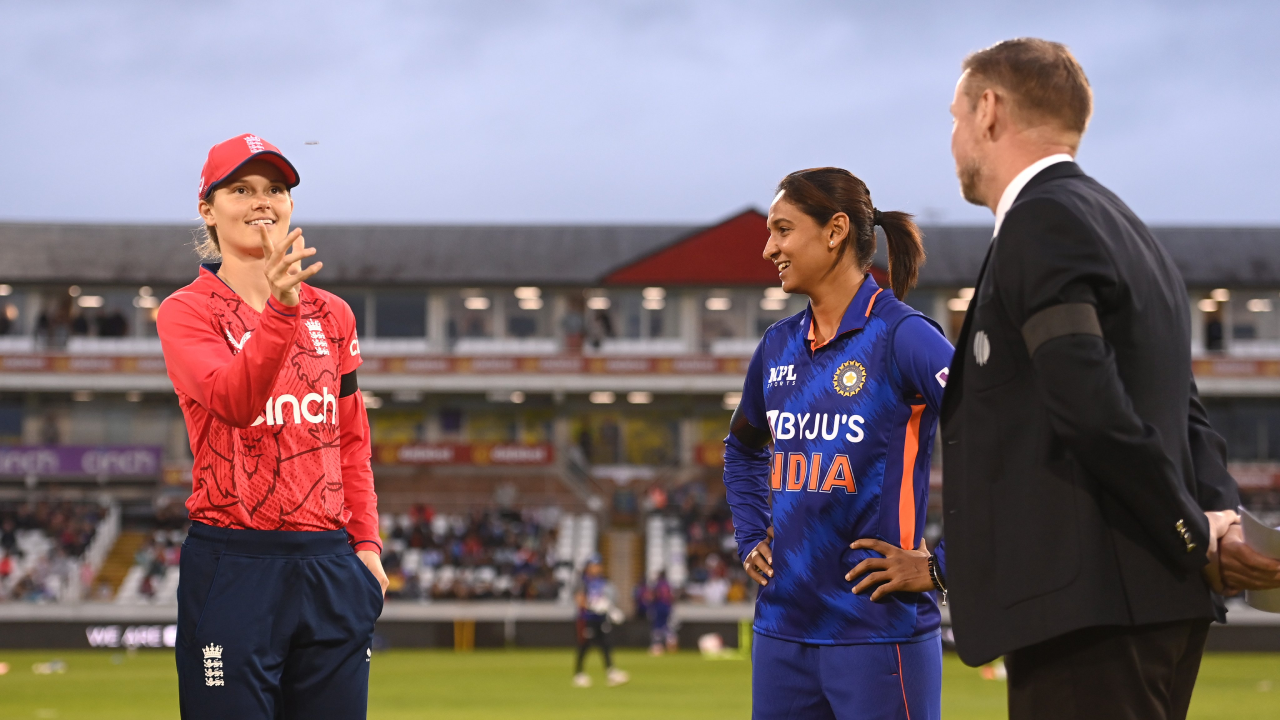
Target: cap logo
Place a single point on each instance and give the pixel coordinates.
(254, 142)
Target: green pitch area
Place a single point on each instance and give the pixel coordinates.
(534, 684)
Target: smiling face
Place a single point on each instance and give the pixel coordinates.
(801, 249)
(254, 195)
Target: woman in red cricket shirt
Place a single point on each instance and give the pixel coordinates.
(281, 581)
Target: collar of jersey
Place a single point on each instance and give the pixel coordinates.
(211, 269)
(855, 316)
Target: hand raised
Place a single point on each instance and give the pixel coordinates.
(759, 562)
(284, 269)
(898, 571)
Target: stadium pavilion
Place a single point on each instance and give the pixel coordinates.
(572, 382)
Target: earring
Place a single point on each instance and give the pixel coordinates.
(831, 244)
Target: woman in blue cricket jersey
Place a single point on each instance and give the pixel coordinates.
(848, 394)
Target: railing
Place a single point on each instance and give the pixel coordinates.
(104, 538)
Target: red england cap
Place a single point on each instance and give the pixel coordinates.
(226, 157)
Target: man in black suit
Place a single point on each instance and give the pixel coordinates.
(1084, 490)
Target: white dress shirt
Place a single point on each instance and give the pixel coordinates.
(1020, 181)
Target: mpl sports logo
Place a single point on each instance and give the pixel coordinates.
(277, 407)
(782, 375)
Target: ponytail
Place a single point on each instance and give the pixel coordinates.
(906, 250)
(822, 192)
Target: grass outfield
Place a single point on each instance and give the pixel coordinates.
(534, 684)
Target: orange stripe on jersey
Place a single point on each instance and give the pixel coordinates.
(873, 301)
(775, 478)
(907, 496)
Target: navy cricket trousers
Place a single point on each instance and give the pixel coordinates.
(274, 624)
(883, 681)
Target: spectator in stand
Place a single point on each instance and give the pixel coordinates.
(489, 554)
(56, 535)
(8, 536)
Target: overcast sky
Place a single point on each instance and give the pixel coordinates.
(593, 111)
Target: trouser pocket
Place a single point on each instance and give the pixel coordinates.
(198, 571)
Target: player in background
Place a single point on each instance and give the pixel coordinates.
(658, 601)
(848, 392)
(281, 580)
(596, 616)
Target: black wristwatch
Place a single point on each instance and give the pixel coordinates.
(935, 574)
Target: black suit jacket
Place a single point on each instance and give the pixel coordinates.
(1077, 458)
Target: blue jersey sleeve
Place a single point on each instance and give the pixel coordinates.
(923, 358)
(746, 469)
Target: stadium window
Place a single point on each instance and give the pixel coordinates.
(400, 314)
(775, 305)
(1255, 324)
(358, 302)
(528, 314)
(451, 421)
(643, 314)
(471, 314)
(108, 313)
(728, 315)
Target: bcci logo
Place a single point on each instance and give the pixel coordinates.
(849, 378)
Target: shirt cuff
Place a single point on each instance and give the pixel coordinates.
(271, 303)
(355, 545)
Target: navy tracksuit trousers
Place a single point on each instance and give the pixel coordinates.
(274, 624)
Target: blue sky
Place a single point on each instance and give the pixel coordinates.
(478, 111)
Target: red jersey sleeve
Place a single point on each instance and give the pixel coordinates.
(358, 494)
(233, 387)
(349, 344)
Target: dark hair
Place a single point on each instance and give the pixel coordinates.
(1043, 79)
(821, 193)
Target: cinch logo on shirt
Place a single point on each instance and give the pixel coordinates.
(275, 414)
(804, 471)
(782, 375)
(809, 426)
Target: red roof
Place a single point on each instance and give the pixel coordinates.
(726, 254)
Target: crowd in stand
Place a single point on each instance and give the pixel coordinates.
(485, 554)
(504, 554)
(715, 575)
(40, 543)
(160, 552)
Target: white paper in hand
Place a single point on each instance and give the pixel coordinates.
(1265, 540)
